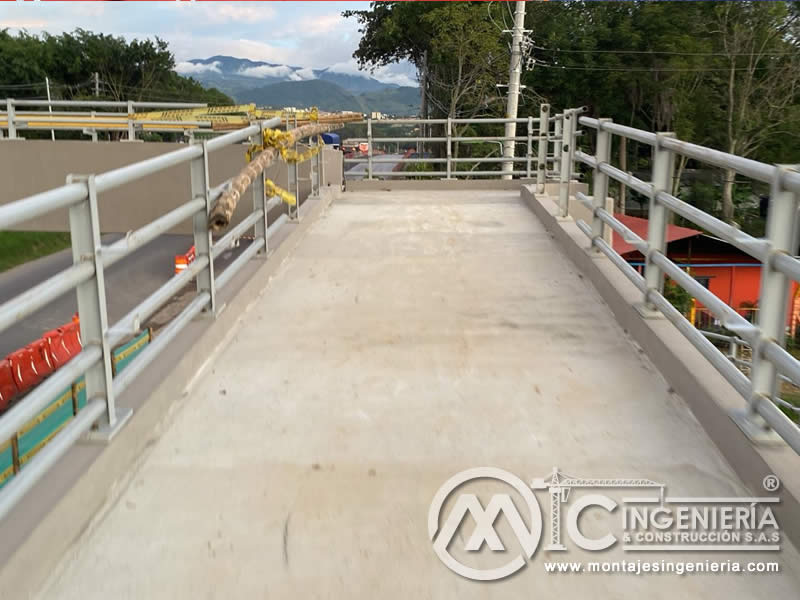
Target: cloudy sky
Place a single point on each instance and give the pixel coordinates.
(305, 34)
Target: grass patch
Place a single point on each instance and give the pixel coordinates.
(17, 247)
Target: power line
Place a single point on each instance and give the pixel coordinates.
(646, 69)
(666, 52)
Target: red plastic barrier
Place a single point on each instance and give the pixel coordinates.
(23, 369)
(72, 338)
(8, 389)
(182, 261)
(42, 360)
(59, 354)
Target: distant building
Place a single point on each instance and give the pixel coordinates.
(730, 274)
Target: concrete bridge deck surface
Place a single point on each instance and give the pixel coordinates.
(410, 336)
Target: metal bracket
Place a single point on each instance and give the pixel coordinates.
(648, 313)
(755, 428)
(104, 434)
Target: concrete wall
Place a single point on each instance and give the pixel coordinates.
(31, 166)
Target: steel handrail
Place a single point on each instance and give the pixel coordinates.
(779, 267)
(82, 196)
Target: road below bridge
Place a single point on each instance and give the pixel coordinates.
(128, 282)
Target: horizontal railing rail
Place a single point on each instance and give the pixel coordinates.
(540, 159)
(81, 195)
(91, 122)
(772, 363)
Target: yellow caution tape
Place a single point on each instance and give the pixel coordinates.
(272, 189)
(280, 140)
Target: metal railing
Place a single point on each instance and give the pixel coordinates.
(761, 418)
(540, 160)
(90, 122)
(101, 417)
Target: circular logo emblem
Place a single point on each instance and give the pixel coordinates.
(485, 518)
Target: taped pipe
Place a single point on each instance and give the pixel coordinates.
(222, 212)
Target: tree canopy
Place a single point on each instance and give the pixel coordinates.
(723, 74)
(128, 70)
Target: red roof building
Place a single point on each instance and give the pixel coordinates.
(730, 274)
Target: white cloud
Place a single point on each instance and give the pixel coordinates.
(305, 74)
(325, 23)
(247, 12)
(189, 68)
(348, 68)
(386, 75)
(267, 71)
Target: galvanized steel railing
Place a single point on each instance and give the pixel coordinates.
(90, 259)
(14, 121)
(544, 130)
(775, 251)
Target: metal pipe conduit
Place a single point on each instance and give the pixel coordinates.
(44, 202)
(234, 234)
(586, 159)
(645, 137)
(754, 247)
(154, 348)
(718, 360)
(240, 262)
(627, 270)
(33, 299)
(632, 182)
(731, 320)
(629, 236)
(108, 103)
(130, 324)
(44, 460)
(444, 173)
(42, 395)
(136, 239)
(745, 166)
(786, 264)
(785, 362)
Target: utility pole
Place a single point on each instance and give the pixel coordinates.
(513, 86)
(49, 106)
(96, 83)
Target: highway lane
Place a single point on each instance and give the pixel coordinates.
(128, 282)
(359, 171)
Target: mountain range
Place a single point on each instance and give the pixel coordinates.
(276, 85)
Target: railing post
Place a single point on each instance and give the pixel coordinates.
(296, 172)
(449, 150)
(260, 202)
(202, 235)
(558, 140)
(663, 170)
(772, 304)
(369, 147)
(602, 154)
(12, 115)
(321, 169)
(529, 148)
(84, 227)
(566, 163)
(131, 128)
(316, 167)
(544, 138)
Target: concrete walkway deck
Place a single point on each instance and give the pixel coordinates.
(408, 337)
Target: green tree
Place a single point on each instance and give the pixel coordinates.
(135, 70)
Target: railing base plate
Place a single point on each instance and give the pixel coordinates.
(648, 313)
(105, 434)
(753, 428)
